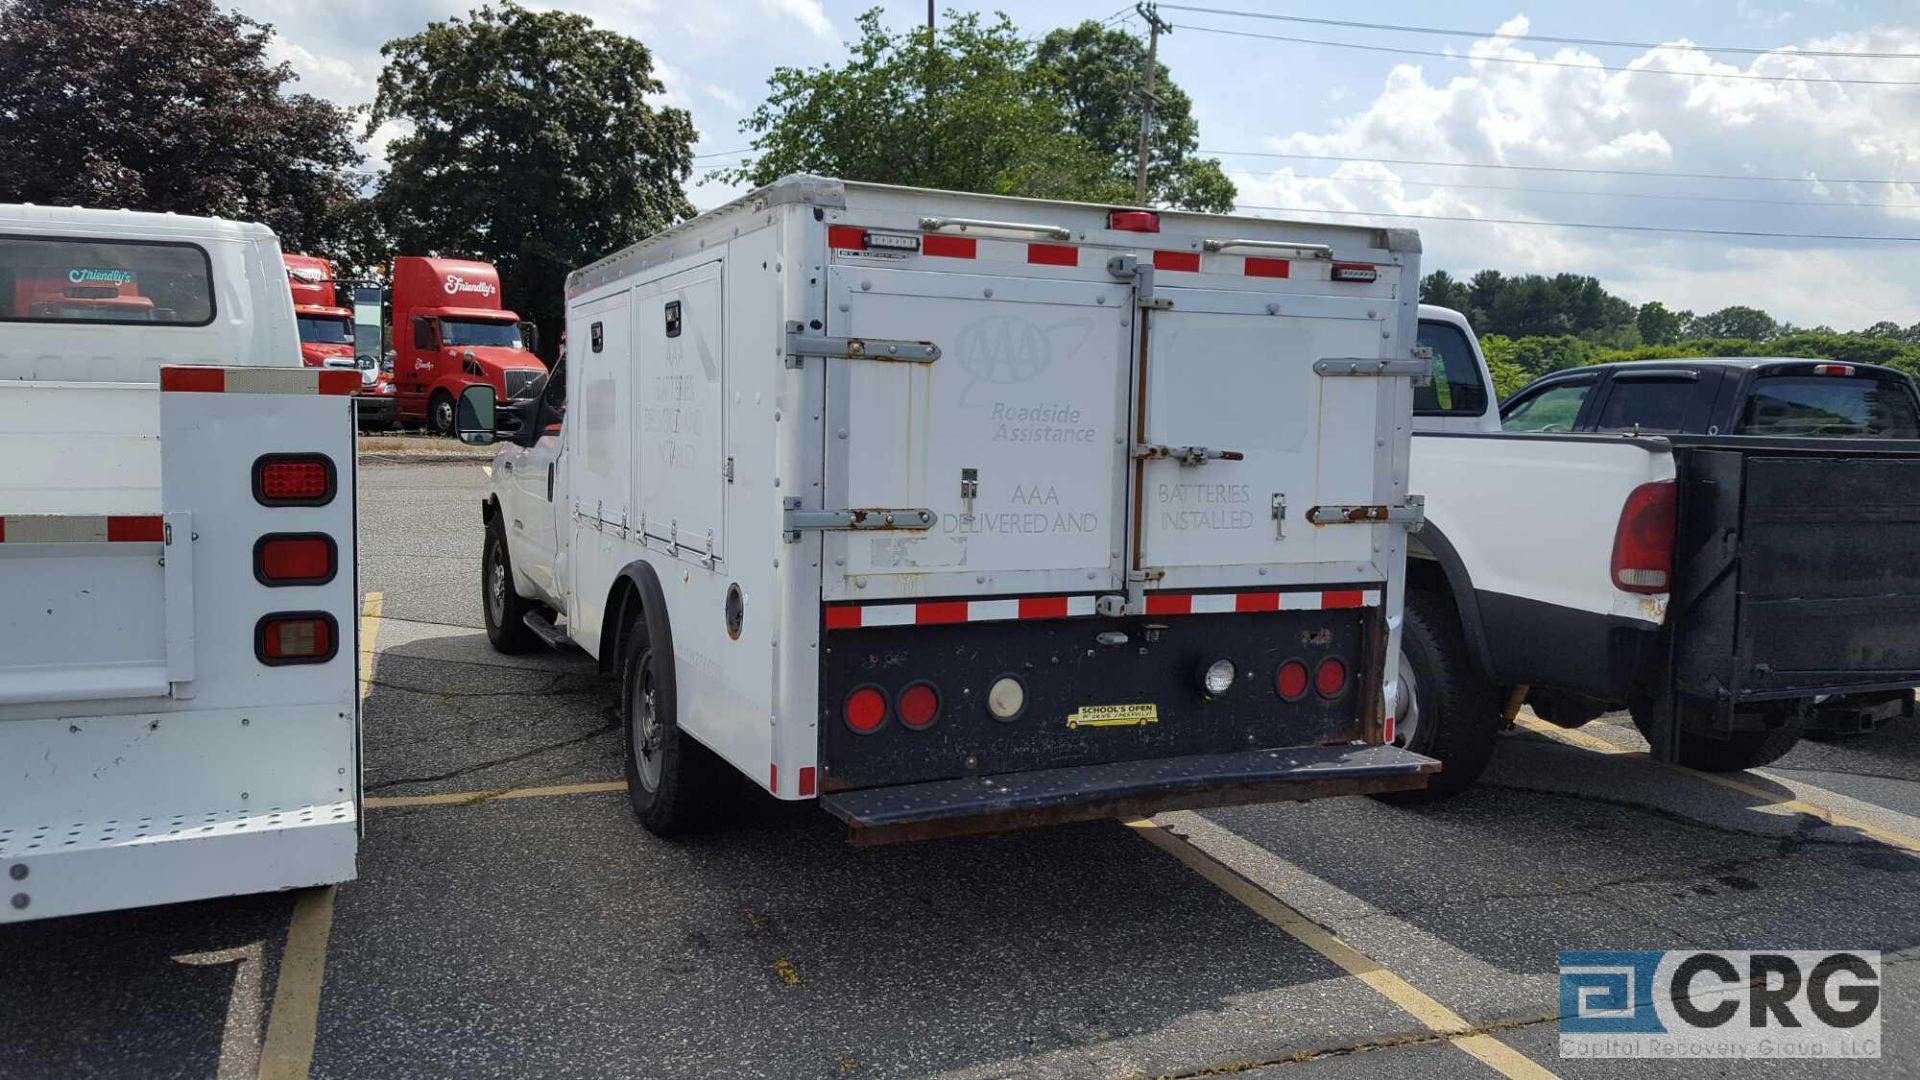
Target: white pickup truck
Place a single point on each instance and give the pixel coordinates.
(178, 706)
(962, 513)
(1719, 586)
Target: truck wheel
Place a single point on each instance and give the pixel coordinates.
(504, 609)
(440, 413)
(672, 780)
(1445, 711)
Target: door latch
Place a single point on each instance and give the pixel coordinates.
(969, 488)
(1185, 455)
(1279, 515)
(1413, 513)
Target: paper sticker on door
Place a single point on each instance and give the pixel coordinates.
(1114, 716)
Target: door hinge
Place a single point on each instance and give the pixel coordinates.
(1413, 512)
(867, 518)
(1129, 268)
(1416, 368)
(801, 345)
(1185, 455)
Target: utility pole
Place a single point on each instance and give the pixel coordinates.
(1155, 27)
(929, 14)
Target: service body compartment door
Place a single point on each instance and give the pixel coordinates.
(1014, 437)
(679, 406)
(1226, 374)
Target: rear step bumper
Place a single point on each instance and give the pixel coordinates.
(981, 804)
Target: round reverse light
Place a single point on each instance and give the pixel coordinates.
(1291, 681)
(1217, 678)
(866, 709)
(1331, 678)
(919, 706)
(1006, 698)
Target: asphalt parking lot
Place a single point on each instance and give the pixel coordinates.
(512, 920)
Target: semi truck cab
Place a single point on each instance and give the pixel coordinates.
(451, 332)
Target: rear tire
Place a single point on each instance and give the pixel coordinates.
(503, 608)
(673, 782)
(1448, 712)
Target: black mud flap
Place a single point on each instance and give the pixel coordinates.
(984, 804)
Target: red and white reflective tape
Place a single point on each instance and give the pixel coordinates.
(81, 529)
(941, 612)
(192, 379)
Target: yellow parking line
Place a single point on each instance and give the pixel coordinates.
(288, 1051)
(1768, 798)
(1437, 1018)
(369, 634)
(467, 798)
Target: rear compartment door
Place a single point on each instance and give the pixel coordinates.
(1013, 439)
(1233, 372)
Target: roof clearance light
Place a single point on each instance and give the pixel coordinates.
(1358, 273)
(1133, 221)
(1833, 369)
(892, 242)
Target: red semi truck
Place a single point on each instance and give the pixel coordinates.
(450, 332)
(327, 340)
(82, 294)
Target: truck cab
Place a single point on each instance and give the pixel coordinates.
(450, 331)
(326, 328)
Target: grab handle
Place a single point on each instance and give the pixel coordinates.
(958, 224)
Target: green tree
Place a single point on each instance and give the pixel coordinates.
(1734, 322)
(1443, 289)
(1658, 325)
(169, 105)
(961, 109)
(1099, 71)
(531, 146)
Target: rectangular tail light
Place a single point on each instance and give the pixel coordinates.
(296, 637)
(281, 559)
(293, 480)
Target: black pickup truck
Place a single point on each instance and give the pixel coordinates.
(1753, 397)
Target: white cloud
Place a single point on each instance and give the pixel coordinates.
(1584, 117)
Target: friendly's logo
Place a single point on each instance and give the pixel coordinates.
(81, 275)
(457, 284)
(1617, 1003)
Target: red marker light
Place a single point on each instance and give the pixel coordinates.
(1133, 221)
(1331, 678)
(919, 706)
(866, 710)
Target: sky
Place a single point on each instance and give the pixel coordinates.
(1602, 129)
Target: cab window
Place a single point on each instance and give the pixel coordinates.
(1456, 389)
(104, 281)
(1646, 404)
(1830, 406)
(1552, 408)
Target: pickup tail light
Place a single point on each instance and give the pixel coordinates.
(1643, 542)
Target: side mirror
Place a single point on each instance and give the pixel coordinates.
(473, 419)
(530, 337)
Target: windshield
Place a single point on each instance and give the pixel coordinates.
(325, 330)
(504, 335)
(1830, 406)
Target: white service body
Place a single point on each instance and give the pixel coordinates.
(147, 754)
(715, 409)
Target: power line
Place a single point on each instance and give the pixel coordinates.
(1792, 50)
(1550, 168)
(1536, 62)
(1585, 225)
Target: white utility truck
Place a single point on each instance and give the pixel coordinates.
(178, 706)
(963, 513)
(1721, 587)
